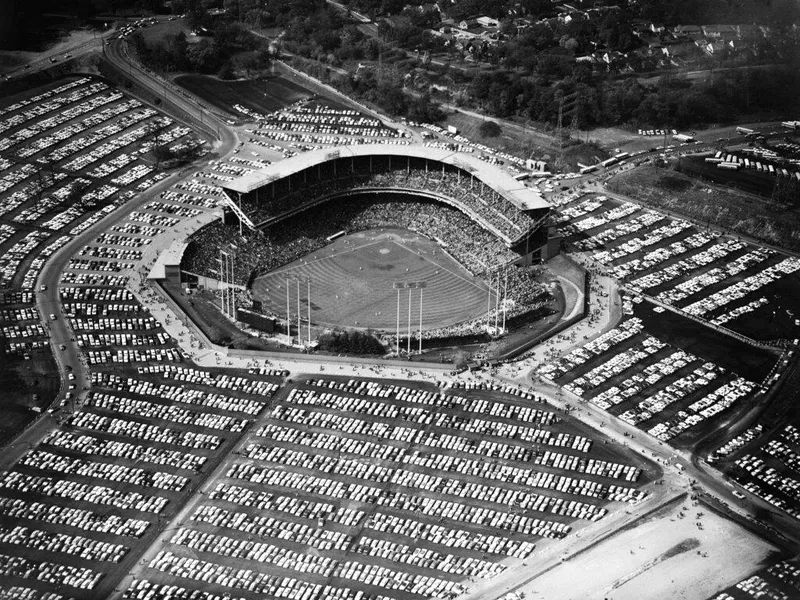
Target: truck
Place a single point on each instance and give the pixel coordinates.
(745, 130)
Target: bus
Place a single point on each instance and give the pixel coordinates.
(745, 131)
(608, 162)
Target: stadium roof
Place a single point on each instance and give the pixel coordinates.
(493, 176)
(168, 258)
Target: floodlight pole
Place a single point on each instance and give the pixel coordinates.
(497, 302)
(288, 318)
(409, 321)
(231, 291)
(228, 284)
(308, 281)
(226, 281)
(398, 321)
(420, 320)
(298, 312)
(488, 306)
(222, 306)
(239, 216)
(505, 298)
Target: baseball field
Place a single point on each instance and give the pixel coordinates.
(354, 283)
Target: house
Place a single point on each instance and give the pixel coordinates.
(715, 48)
(748, 32)
(469, 24)
(681, 50)
(719, 31)
(687, 31)
(487, 22)
(611, 56)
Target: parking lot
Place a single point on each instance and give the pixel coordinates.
(327, 487)
(72, 151)
(132, 450)
(674, 380)
(359, 488)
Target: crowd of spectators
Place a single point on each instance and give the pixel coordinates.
(261, 252)
(475, 248)
(487, 206)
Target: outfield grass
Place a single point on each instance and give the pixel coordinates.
(352, 283)
(730, 210)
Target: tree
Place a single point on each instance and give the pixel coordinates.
(203, 57)
(489, 129)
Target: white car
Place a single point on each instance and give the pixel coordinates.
(739, 494)
(71, 376)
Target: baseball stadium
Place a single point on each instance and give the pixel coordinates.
(360, 236)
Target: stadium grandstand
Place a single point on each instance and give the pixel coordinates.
(501, 205)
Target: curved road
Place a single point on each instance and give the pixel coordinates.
(194, 114)
(70, 360)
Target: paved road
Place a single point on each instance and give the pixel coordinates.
(189, 109)
(76, 51)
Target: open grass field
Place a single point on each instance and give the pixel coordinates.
(21, 381)
(726, 208)
(725, 351)
(352, 283)
(156, 33)
(264, 94)
(747, 180)
(779, 318)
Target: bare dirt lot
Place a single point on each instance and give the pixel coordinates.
(668, 556)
